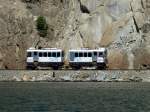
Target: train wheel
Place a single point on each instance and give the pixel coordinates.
(101, 67)
(29, 68)
(55, 68)
(78, 67)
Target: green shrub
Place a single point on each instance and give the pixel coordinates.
(42, 26)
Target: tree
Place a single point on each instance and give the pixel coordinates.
(42, 26)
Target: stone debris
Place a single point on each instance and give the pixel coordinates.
(136, 79)
(96, 76)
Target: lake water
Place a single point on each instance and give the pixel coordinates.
(74, 97)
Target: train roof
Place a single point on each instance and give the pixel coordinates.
(74, 50)
(44, 49)
(88, 50)
(100, 49)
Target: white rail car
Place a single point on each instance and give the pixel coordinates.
(88, 58)
(53, 57)
(100, 57)
(47, 57)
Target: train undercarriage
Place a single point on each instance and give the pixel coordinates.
(61, 66)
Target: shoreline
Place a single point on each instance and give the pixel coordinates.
(75, 76)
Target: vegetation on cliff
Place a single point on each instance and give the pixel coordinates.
(42, 26)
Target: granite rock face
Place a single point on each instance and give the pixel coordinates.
(123, 26)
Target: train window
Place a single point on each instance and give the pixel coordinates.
(105, 52)
(80, 54)
(53, 54)
(35, 53)
(100, 54)
(40, 54)
(85, 54)
(58, 54)
(89, 54)
(76, 54)
(29, 54)
(95, 53)
(45, 54)
(49, 54)
(62, 54)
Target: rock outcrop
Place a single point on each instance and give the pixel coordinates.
(123, 26)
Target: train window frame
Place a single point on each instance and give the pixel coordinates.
(76, 54)
(35, 53)
(53, 54)
(62, 54)
(95, 53)
(58, 54)
(101, 54)
(81, 54)
(85, 54)
(44, 54)
(49, 54)
(105, 52)
(40, 54)
(89, 54)
(29, 54)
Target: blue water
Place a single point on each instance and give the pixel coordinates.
(74, 97)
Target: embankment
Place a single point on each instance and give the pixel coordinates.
(71, 75)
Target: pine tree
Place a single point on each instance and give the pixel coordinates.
(42, 26)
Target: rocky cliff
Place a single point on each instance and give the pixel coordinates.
(123, 26)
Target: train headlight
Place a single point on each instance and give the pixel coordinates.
(100, 60)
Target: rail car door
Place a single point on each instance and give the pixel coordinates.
(35, 56)
(71, 56)
(95, 56)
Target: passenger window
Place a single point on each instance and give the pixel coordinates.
(95, 53)
(53, 54)
(58, 54)
(76, 54)
(45, 54)
(85, 54)
(40, 54)
(100, 54)
(62, 54)
(80, 54)
(35, 53)
(29, 54)
(49, 54)
(89, 54)
(105, 52)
